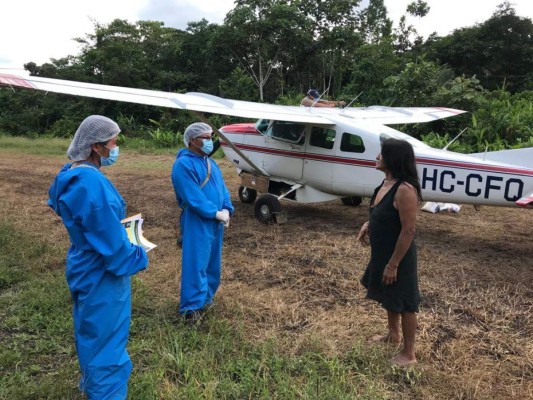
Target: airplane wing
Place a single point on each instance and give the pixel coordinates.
(202, 102)
(399, 115)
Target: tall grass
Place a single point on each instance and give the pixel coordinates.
(47, 146)
(38, 146)
(172, 361)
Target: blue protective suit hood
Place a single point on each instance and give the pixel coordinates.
(65, 177)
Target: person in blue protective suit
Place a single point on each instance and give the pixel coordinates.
(206, 210)
(100, 259)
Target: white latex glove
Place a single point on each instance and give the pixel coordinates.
(226, 224)
(223, 217)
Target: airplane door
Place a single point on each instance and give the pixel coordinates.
(283, 152)
(354, 173)
(318, 171)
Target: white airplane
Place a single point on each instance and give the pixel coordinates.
(310, 155)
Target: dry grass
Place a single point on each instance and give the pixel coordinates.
(298, 282)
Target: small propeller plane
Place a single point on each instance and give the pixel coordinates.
(311, 154)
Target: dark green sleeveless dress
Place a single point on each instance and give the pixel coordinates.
(384, 229)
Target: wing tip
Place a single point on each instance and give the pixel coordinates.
(15, 80)
(526, 201)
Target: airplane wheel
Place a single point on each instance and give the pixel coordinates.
(265, 207)
(351, 201)
(247, 195)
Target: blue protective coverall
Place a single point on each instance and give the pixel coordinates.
(202, 234)
(99, 264)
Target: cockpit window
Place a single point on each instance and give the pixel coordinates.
(321, 137)
(352, 143)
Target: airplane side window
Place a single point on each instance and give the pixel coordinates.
(352, 143)
(323, 138)
(288, 131)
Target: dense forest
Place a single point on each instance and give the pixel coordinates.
(275, 50)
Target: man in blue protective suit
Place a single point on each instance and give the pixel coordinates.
(100, 259)
(206, 210)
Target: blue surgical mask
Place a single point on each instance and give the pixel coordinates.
(207, 147)
(113, 157)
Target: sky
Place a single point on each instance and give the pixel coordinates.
(38, 30)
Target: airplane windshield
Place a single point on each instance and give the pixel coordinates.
(262, 125)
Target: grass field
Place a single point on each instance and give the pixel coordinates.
(290, 320)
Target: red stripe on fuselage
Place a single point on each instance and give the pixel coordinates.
(477, 167)
(307, 156)
(371, 163)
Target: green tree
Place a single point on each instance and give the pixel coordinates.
(418, 8)
(406, 35)
(202, 60)
(499, 52)
(334, 25)
(259, 33)
(372, 64)
(374, 25)
(416, 84)
(238, 86)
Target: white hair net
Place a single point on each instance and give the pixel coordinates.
(93, 129)
(195, 130)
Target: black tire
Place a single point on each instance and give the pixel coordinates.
(265, 207)
(352, 201)
(247, 195)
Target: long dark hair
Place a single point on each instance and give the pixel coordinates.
(399, 158)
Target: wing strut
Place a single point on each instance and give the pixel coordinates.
(202, 118)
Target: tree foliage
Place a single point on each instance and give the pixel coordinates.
(275, 50)
(499, 51)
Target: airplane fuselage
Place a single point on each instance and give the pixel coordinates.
(339, 161)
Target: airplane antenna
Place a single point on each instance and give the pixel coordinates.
(454, 139)
(324, 92)
(350, 103)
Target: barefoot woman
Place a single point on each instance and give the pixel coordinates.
(391, 277)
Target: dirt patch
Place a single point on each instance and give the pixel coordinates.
(299, 281)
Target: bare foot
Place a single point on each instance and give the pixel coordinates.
(402, 360)
(385, 339)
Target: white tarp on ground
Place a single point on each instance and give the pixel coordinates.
(441, 207)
